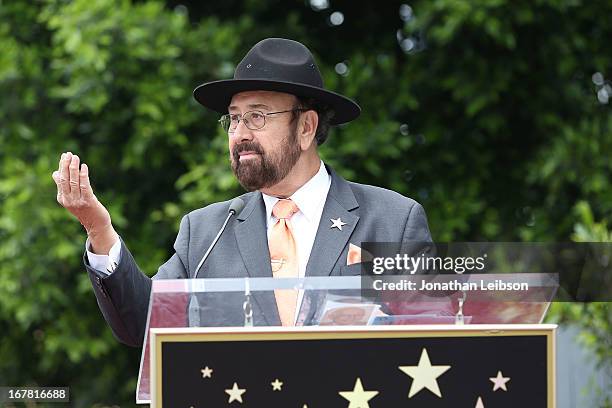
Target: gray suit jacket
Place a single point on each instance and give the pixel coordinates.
(371, 214)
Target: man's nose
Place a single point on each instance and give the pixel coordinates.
(242, 133)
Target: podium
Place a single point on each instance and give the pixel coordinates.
(213, 343)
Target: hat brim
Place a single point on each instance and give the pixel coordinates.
(217, 95)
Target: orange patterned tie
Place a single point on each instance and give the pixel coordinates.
(283, 255)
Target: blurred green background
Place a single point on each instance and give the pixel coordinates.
(494, 114)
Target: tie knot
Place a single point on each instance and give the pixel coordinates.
(284, 209)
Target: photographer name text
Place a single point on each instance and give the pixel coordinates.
(453, 285)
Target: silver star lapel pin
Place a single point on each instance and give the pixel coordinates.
(337, 223)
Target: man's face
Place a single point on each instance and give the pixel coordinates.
(262, 158)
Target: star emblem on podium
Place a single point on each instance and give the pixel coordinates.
(276, 385)
(499, 382)
(424, 375)
(358, 398)
(235, 394)
(206, 372)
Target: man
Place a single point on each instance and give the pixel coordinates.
(300, 218)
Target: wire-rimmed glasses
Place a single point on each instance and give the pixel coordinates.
(253, 120)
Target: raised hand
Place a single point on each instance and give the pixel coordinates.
(74, 193)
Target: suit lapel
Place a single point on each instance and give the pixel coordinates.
(330, 242)
(252, 239)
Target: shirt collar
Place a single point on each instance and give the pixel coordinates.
(309, 198)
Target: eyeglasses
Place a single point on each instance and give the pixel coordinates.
(253, 120)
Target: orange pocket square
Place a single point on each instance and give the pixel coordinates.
(357, 255)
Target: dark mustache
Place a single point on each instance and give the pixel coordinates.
(246, 147)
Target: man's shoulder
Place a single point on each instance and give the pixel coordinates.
(380, 197)
(220, 208)
(391, 215)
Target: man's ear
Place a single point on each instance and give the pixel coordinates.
(307, 129)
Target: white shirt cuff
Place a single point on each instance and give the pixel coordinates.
(104, 263)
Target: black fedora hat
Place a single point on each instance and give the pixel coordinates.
(281, 65)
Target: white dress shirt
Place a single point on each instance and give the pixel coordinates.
(310, 200)
(104, 263)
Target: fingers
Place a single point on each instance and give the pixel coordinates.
(86, 191)
(72, 182)
(73, 171)
(64, 174)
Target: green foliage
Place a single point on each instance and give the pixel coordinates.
(491, 120)
(587, 230)
(110, 81)
(595, 319)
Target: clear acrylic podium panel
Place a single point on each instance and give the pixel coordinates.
(337, 301)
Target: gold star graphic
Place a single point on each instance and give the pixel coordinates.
(499, 382)
(424, 375)
(358, 398)
(235, 394)
(276, 385)
(206, 372)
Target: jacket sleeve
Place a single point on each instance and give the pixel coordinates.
(123, 296)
